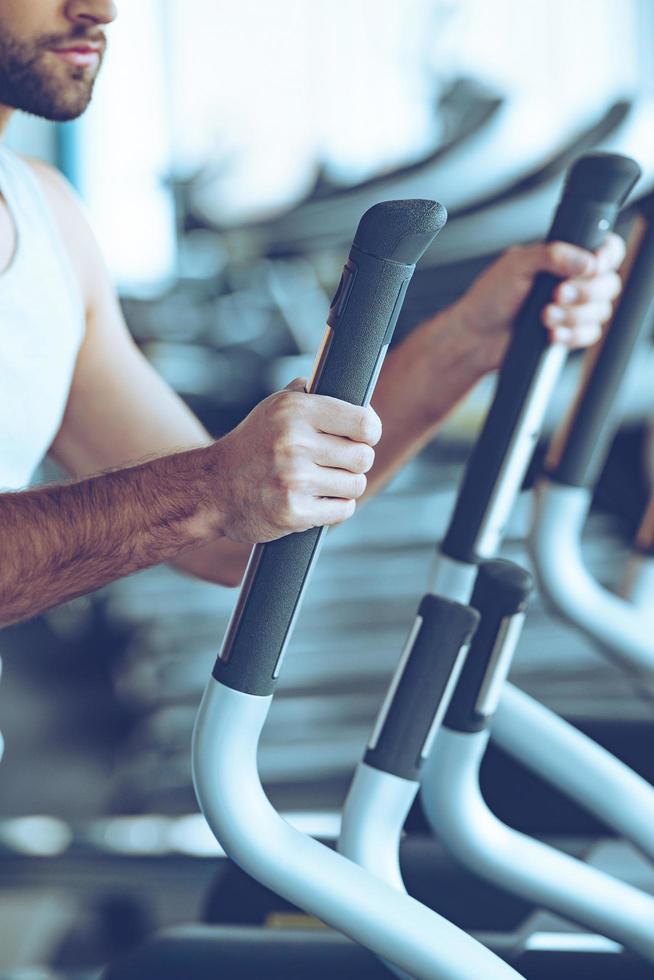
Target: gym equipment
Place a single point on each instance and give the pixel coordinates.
(563, 497)
(638, 581)
(557, 751)
(387, 780)
(390, 239)
(521, 215)
(458, 813)
(501, 455)
(252, 763)
(511, 165)
(495, 471)
(508, 206)
(596, 187)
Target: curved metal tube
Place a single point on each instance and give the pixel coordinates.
(566, 758)
(374, 814)
(307, 873)
(620, 629)
(457, 811)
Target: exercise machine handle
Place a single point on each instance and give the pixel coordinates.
(390, 239)
(596, 187)
(410, 715)
(502, 591)
(579, 450)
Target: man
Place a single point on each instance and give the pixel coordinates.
(74, 384)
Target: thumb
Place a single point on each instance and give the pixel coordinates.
(560, 258)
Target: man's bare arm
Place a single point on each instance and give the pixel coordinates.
(270, 476)
(61, 541)
(120, 411)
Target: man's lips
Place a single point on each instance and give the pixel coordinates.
(82, 55)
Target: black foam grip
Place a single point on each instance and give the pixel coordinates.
(362, 317)
(400, 230)
(502, 590)
(595, 189)
(419, 686)
(577, 459)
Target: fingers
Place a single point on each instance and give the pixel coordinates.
(338, 483)
(583, 303)
(577, 326)
(600, 287)
(585, 335)
(575, 316)
(330, 511)
(560, 258)
(338, 418)
(568, 261)
(357, 457)
(610, 255)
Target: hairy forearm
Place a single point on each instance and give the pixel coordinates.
(61, 541)
(421, 382)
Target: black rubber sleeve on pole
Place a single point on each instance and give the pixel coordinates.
(390, 238)
(596, 187)
(419, 685)
(591, 425)
(502, 590)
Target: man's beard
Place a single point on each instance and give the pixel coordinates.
(26, 83)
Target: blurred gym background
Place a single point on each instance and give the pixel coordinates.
(228, 154)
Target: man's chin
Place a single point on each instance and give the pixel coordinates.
(58, 110)
(66, 115)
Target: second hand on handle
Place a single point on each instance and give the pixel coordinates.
(595, 189)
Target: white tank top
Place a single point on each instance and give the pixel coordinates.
(41, 327)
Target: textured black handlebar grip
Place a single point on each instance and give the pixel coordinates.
(502, 591)
(390, 238)
(595, 189)
(577, 457)
(443, 630)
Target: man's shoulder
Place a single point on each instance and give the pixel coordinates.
(68, 214)
(52, 181)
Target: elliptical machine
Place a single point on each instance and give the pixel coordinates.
(247, 685)
(386, 781)
(390, 239)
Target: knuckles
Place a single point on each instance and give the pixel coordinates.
(365, 459)
(289, 513)
(286, 409)
(370, 428)
(290, 480)
(349, 508)
(557, 254)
